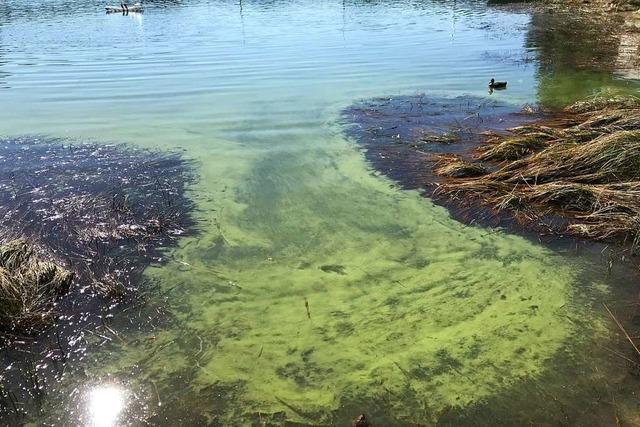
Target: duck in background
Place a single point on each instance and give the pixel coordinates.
(494, 85)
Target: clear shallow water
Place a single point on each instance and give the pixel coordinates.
(413, 317)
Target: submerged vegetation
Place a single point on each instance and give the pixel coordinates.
(582, 166)
(91, 214)
(81, 222)
(572, 172)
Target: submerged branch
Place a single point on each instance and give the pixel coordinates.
(622, 329)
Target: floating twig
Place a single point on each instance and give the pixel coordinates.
(306, 304)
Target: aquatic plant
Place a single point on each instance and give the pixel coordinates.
(603, 103)
(443, 138)
(515, 147)
(613, 157)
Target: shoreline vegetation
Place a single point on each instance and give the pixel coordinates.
(620, 6)
(573, 173)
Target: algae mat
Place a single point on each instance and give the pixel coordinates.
(320, 290)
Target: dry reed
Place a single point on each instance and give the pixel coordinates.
(30, 283)
(583, 166)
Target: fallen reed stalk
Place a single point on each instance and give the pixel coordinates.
(453, 166)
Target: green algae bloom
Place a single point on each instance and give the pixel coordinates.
(313, 290)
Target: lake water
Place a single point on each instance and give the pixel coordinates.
(317, 289)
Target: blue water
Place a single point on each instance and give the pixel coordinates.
(248, 68)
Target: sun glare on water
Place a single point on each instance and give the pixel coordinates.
(105, 405)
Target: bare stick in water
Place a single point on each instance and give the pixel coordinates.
(622, 328)
(306, 304)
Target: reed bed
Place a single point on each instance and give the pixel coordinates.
(498, 148)
(582, 166)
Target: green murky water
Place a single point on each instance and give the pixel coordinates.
(316, 289)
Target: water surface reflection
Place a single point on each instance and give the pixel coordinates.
(105, 404)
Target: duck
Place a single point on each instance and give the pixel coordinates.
(493, 84)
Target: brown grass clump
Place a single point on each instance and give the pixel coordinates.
(514, 147)
(584, 168)
(613, 157)
(29, 286)
(457, 168)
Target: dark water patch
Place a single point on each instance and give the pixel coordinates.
(402, 138)
(105, 212)
(401, 133)
(104, 209)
